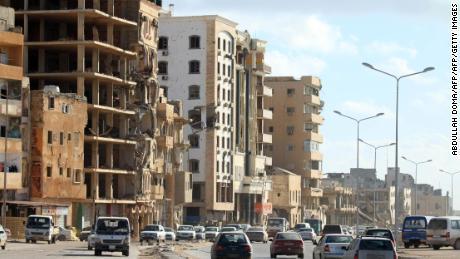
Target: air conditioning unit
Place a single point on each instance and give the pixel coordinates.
(164, 53)
(164, 77)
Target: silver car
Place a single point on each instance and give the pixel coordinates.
(370, 248)
(331, 246)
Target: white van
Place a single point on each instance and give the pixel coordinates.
(443, 231)
(40, 227)
(111, 234)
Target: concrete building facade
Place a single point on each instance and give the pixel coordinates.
(196, 64)
(14, 109)
(340, 202)
(286, 196)
(252, 161)
(296, 108)
(431, 202)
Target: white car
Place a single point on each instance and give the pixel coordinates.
(91, 240)
(307, 234)
(211, 232)
(185, 232)
(63, 234)
(200, 233)
(153, 233)
(170, 234)
(3, 237)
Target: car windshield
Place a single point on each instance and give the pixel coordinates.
(185, 228)
(379, 233)
(38, 222)
(112, 227)
(437, 224)
(227, 229)
(415, 223)
(288, 236)
(255, 230)
(211, 229)
(169, 230)
(152, 228)
(332, 229)
(338, 239)
(232, 239)
(367, 244)
(305, 230)
(274, 222)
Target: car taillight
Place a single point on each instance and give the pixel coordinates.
(356, 256)
(247, 248)
(395, 255)
(430, 236)
(447, 235)
(327, 248)
(219, 248)
(300, 242)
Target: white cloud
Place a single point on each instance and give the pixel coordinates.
(284, 64)
(390, 48)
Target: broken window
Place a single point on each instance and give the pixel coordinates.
(290, 91)
(195, 117)
(194, 67)
(162, 68)
(51, 102)
(194, 42)
(50, 137)
(194, 166)
(163, 43)
(77, 176)
(290, 111)
(61, 171)
(49, 171)
(194, 140)
(69, 172)
(61, 138)
(194, 92)
(290, 130)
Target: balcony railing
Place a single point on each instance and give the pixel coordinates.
(264, 114)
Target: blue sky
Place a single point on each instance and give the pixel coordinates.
(331, 39)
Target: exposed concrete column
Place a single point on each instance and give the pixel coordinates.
(81, 4)
(110, 34)
(110, 7)
(110, 95)
(81, 58)
(26, 27)
(108, 186)
(80, 86)
(97, 4)
(95, 185)
(254, 215)
(122, 94)
(123, 68)
(95, 155)
(81, 24)
(95, 61)
(95, 121)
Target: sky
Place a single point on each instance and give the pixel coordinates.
(330, 39)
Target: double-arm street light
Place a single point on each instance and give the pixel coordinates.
(452, 174)
(397, 115)
(375, 165)
(416, 176)
(358, 121)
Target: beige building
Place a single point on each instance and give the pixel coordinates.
(430, 201)
(14, 109)
(340, 202)
(251, 183)
(57, 139)
(286, 195)
(295, 126)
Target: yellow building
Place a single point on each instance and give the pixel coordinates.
(296, 107)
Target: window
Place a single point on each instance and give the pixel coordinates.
(223, 142)
(194, 140)
(228, 143)
(194, 92)
(195, 116)
(194, 67)
(290, 111)
(223, 94)
(229, 46)
(194, 166)
(194, 42)
(223, 167)
(218, 43)
(163, 43)
(218, 93)
(218, 68)
(165, 90)
(50, 137)
(270, 129)
(290, 91)
(290, 130)
(223, 44)
(51, 102)
(49, 171)
(162, 68)
(69, 136)
(69, 172)
(229, 70)
(290, 147)
(61, 138)
(77, 176)
(308, 126)
(217, 141)
(229, 95)
(217, 166)
(310, 109)
(308, 90)
(223, 69)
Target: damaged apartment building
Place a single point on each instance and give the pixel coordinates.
(103, 53)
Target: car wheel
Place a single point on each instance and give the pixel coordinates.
(141, 242)
(34, 241)
(406, 245)
(300, 256)
(416, 246)
(27, 241)
(61, 238)
(457, 244)
(435, 247)
(272, 255)
(125, 253)
(3, 247)
(97, 252)
(49, 242)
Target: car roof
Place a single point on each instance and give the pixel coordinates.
(378, 229)
(112, 218)
(327, 235)
(374, 238)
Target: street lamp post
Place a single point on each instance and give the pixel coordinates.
(375, 166)
(416, 177)
(396, 131)
(358, 121)
(452, 174)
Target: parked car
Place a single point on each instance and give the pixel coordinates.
(211, 232)
(200, 233)
(3, 237)
(228, 229)
(370, 248)
(331, 246)
(185, 232)
(299, 226)
(334, 229)
(84, 234)
(63, 234)
(153, 232)
(238, 227)
(170, 234)
(245, 227)
(286, 243)
(257, 234)
(444, 231)
(307, 234)
(91, 236)
(231, 245)
(380, 232)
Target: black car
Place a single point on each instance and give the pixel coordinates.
(380, 232)
(231, 245)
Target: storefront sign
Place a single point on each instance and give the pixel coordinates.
(264, 208)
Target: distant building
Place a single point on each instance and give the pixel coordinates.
(431, 202)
